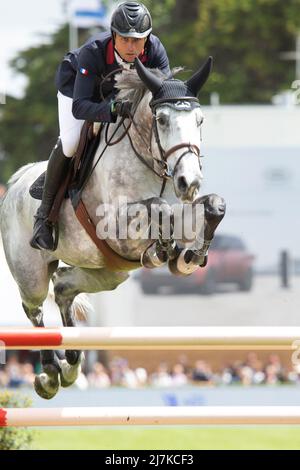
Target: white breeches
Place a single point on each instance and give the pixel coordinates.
(69, 127)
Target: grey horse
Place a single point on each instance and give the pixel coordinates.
(159, 155)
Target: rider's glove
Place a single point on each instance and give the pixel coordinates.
(121, 108)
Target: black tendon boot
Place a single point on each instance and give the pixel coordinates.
(56, 171)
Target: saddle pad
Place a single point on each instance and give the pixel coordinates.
(36, 189)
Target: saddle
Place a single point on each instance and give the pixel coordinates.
(78, 173)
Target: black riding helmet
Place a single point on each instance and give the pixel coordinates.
(131, 20)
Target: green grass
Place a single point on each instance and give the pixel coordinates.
(192, 438)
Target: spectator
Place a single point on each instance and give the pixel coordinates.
(178, 376)
(128, 376)
(28, 374)
(276, 368)
(231, 374)
(258, 375)
(161, 378)
(14, 372)
(202, 372)
(272, 377)
(142, 376)
(99, 377)
(246, 375)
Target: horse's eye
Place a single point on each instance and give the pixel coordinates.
(162, 120)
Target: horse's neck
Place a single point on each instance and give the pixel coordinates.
(120, 172)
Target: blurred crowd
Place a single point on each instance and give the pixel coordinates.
(118, 373)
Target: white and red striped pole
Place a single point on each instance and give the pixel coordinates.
(170, 338)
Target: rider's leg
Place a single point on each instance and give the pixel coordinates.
(56, 170)
(66, 146)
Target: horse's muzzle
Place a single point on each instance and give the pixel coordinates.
(185, 191)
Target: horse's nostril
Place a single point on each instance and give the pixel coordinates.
(182, 184)
(195, 184)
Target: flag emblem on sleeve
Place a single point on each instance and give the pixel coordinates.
(84, 71)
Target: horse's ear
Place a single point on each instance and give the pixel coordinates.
(152, 82)
(196, 82)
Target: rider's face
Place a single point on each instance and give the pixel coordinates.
(129, 48)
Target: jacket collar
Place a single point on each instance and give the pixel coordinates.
(110, 54)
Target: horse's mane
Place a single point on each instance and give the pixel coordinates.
(132, 88)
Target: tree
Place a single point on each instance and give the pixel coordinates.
(245, 38)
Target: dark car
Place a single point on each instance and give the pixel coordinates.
(228, 262)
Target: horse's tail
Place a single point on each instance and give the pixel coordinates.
(19, 173)
(81, 307)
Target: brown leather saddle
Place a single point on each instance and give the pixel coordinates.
(72, 186)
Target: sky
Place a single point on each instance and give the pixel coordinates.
(21, 23)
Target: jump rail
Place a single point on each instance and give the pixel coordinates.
(151, 338)
(184, 415)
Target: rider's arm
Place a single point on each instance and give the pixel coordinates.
(160, 59)
(84, 106)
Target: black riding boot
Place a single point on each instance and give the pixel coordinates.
(56, 170)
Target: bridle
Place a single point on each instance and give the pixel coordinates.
(165, 172)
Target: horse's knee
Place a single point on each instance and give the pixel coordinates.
(215, 206)
(214, 211)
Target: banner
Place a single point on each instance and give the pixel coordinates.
(89, 13)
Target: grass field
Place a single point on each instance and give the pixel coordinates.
(192, 438)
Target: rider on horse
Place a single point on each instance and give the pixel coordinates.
(78, 81)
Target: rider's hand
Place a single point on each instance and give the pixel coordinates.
(121, 108)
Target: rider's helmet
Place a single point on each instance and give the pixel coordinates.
(131, 20)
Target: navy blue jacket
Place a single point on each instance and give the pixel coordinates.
(82, 70)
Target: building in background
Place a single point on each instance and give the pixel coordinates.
(252, 159)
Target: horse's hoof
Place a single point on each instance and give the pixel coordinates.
(46, 384)
(73, 357)
(69, 373)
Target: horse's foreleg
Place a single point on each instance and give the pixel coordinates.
(160, 230)
(190, 259)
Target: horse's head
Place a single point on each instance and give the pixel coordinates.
(177, 119)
